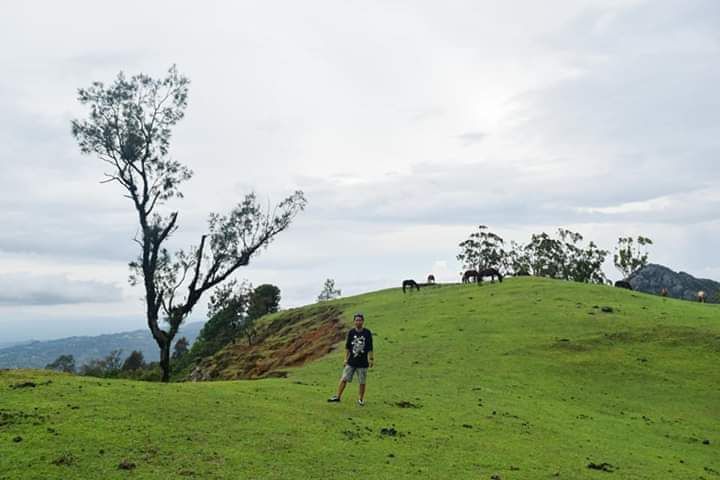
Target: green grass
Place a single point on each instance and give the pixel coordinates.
(524, 379)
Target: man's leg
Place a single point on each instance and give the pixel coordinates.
(362, 380)
(341, 387)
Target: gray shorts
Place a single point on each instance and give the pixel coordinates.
(349, 372)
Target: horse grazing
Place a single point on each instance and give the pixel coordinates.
(468, 275)
(431, 279)
(410, 284)
(664, 292)
(623, 284)
(490, 272)
(701, 296)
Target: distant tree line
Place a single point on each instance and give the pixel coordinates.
(113, 365)
(565, 255)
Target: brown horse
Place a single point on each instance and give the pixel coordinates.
(701, 296)
(410, 284)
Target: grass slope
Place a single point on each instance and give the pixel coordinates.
(521, 380)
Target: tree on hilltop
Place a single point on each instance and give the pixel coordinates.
(329, 291)
(129, 128)
(483, 249)
(631, 254)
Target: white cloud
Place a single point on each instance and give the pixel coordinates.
(406, 123)
(26, 289)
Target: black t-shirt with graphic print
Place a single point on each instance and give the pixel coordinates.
(359, 344)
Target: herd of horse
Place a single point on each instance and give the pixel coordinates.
(469, 276)
(475, 276)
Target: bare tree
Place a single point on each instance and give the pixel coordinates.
(129, 128)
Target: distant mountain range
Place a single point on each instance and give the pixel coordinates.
(37, 354)
(653, 278)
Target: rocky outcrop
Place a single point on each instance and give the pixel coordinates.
(653, 278)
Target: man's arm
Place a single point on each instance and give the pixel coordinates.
(347, 356)
(371, 353)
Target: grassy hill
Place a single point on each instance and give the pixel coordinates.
(528, 379)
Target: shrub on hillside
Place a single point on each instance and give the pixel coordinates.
(232, 312)
(64, 363)
(103, 367)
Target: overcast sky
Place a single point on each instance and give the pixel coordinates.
(406, 124)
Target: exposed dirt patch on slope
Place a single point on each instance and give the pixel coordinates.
(292, 339)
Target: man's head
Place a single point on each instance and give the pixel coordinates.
(359, 320)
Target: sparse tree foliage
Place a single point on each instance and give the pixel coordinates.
(483, 249)
(64, 363)
(631, 255)
(129, 128)
(518, 260)
(329, 291)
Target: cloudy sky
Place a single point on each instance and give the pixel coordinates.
(406, 123)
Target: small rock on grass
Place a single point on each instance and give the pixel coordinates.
(605, 467)
(126, 465)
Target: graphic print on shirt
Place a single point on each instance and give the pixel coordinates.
(358, 345)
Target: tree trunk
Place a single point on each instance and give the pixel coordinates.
(165, 361)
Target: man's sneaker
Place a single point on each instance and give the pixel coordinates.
(334, 398)
(361, 403)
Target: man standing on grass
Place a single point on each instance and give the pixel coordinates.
(358, 358)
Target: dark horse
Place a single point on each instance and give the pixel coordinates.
(410, 284)
(431, 279)
(490, 272)
(475, 276)
(468, 275)
(623, 284)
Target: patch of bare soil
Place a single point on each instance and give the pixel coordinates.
(291, 340)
